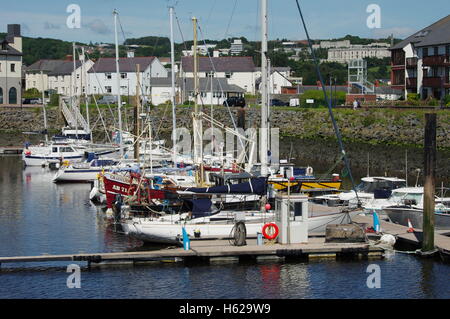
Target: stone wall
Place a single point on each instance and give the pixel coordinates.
(382, 126)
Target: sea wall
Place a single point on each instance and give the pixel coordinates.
(373, 126)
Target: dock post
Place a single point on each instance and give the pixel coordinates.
(430, 183)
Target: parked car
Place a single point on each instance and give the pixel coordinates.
(277, 102)
(32, 101)
(234, 101)
(108, 99)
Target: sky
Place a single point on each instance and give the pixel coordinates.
(218, 19)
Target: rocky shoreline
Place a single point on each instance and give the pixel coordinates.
(373, 126)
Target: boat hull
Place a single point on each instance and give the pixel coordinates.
(171, 233)
(401, 215)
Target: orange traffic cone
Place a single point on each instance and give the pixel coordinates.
(410, 227)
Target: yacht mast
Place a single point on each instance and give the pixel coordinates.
(44, 107)
(197, 117)
(264, 111)
(174, 115)
(74, 88)
(86, 85)
(119, 103)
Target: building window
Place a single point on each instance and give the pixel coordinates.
(78, 76)
(436, 50)
(228, 75)
(108, 89)
(108, 76)
(13, 67)
(425, 52)
(123, 75)
(1, 96)
(210, 74)
(12, 96)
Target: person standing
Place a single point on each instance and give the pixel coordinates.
(355, 104)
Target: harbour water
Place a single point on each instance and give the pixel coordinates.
(39, 217)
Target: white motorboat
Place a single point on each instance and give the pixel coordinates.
(86, 172)
(406, 204)
(369, 189)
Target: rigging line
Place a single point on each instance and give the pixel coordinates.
(101, 89)
(231, 18)
(221, 88)
(330, 108)
(95, 100)
(210, 11)
(181, 32)
(141, 84)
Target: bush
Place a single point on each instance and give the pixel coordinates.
(413, 97)
(54, 100)
(32, 93)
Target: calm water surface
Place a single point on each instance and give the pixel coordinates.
(38, 217)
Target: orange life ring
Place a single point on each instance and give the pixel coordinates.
(275, 233)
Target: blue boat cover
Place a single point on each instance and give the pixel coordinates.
(256, 186)
(200, 207)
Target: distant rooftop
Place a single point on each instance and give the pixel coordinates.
(435, 34)
(221, 64)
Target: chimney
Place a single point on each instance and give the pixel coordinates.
(69, 57)
(13, 37)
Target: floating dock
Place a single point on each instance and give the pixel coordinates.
(213, 250)
(441, 241)
(11, 150)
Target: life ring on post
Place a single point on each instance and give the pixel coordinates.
(270, 231)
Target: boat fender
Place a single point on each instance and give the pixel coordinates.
(270, 231)
(197, 233)
(388, 239)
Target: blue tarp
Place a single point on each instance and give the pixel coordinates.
(256, 186)
(200, 207)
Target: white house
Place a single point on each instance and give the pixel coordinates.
(276, 82)
(103, 76)
(239, 71)
(11, 67)
(59, 76)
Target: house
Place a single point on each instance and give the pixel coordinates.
(11, 67)
(421, 62)
(239, 71)
(64, 80)
(33, 77)
(277, 81)
(103, 76)
(210, 93)
(215, 94)
(58, 76)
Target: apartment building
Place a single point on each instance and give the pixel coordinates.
(11, 67)
(421, 63)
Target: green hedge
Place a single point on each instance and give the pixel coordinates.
(319, 98)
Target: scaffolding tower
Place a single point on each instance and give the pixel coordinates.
(357, 77)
